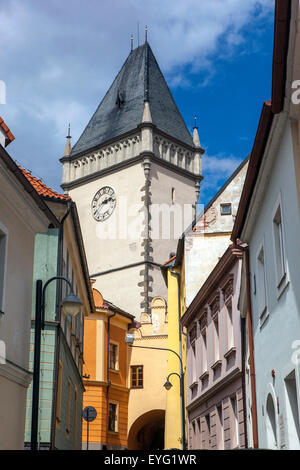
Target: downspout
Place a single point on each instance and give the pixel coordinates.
(243, 321)
(251, 352)
(107, 373)
(180, 353)
(57, 350)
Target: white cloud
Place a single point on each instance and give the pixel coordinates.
(59, 58)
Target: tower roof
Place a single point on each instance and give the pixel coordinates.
(121, 110)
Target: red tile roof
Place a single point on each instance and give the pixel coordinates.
(42, 189)
(9, 136)
(100, 302)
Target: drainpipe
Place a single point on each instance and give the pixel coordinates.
(251, 352)
(180, 355)
(58, 298)
(243, 322)
(107, 373)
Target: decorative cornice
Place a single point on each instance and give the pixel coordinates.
(193, 333)
(204, 376)
(214, 304)
(125, 164)
(203, 321)
(216, 365)
(16, 374)
(234, 375)
(227, 287)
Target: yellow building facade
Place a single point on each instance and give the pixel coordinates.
(106, 375)
(147, 400)
(175, 427)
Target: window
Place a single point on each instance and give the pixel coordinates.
(225, 209)
(235, 423)
(68, 421)
(261, 284)
(75, 418)
(59, 392)
(193, 363)
(279, 246)
(113, 356)
(113, 417)
(216, 337)
(173, 196)
(293, 418)
(198, 434)
(3, 251)
(230, 332)
(220, 429)
(204, 351)
(136, 376)
(207, 432)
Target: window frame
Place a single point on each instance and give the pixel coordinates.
(59, 392)
(116, 345)
(134, 387)
(281, 278)
(225, 204)
(68, 414)
(262, 309)
(116, 427)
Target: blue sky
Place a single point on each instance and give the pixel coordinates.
(59, 58)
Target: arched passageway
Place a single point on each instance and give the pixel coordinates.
(147, 432)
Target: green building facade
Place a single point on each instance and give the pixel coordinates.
(61, 387)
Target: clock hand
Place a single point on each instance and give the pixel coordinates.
(102, 203)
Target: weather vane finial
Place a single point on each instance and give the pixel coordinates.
(131, 42)
(146, 34)
(195, 121)
(68, 143)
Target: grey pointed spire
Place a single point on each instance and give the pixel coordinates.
(122, 109)
(196, 139)
(68, 143)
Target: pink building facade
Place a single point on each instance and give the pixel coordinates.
(215, 399)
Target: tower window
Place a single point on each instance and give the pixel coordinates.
(173, 196)
(225, 209)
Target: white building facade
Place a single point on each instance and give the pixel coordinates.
(268, 222)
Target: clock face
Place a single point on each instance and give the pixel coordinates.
(103, 203)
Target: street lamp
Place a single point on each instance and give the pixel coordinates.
(129, 338)
(168, 384)
(71, 306)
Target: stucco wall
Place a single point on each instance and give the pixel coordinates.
(205, 245)
(273, 340)
(20, 220)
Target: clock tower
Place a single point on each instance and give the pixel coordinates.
(133, 174)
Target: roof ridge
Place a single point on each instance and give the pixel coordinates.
(172, 97)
